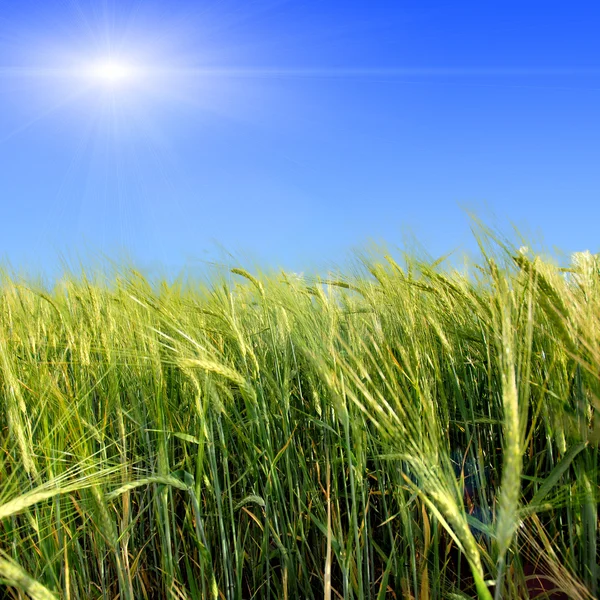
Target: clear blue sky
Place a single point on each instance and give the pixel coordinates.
(290, 132)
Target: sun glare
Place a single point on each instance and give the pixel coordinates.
(111, 73)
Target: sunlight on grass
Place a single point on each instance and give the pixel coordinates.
(400, 430)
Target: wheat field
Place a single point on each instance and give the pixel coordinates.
(399, 429)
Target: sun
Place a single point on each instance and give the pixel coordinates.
(111, 73)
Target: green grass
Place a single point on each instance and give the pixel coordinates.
(390, 432)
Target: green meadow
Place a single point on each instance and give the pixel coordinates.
(398, 429)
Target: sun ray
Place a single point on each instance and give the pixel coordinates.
(71, 98)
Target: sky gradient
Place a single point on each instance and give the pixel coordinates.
(290, 132)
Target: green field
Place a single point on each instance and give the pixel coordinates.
(397, 430)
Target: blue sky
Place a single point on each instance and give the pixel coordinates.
(290, 132)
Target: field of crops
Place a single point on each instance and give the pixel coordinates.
(399, 430)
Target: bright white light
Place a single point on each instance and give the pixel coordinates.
(111, 73)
